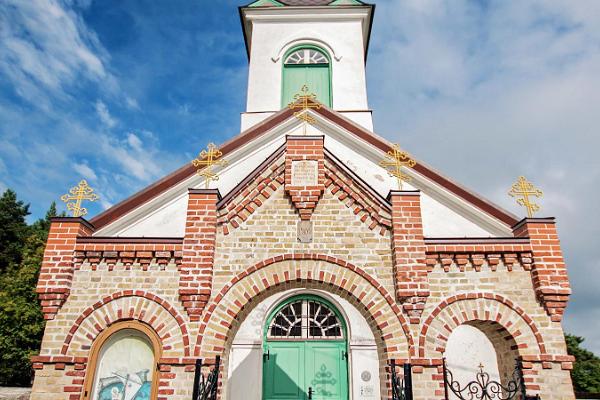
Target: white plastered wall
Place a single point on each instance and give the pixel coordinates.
(246, 355)
(339, 31)
(466, 350)
(443, 213)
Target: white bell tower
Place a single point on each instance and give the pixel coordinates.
(320, 43)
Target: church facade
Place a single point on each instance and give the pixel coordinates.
(297, 260)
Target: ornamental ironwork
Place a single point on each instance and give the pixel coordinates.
(484, 388)
(523, 190)
(76, 196)
(305, 319)
(304, 101)
(394, 161)
(206, 385)
(401, 385)
(205, 162)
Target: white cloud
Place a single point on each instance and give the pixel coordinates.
(134, 141)
(47, 47)
(511, 88)
(138, 158)
(104, 114)
(84, 170)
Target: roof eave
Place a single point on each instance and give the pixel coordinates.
(248, 35)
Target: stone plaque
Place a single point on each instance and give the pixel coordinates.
(305, 230)
(305, 173)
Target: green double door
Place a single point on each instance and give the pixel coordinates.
(316, 77)
(299, 370)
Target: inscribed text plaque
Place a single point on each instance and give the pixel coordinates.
(305, 173)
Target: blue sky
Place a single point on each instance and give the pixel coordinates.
(121, 93)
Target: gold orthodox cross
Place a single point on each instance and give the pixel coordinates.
(78, 194)
(393, 162)
(523, 189)
(205, 161)
(304, 101)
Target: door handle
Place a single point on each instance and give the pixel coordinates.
(267, 355)
(310, 393)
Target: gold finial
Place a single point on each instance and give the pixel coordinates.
(76, 195)
(523, 189)
(205, 161)
(393, 162)
(304, 101)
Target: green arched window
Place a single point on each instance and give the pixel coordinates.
(310, 66)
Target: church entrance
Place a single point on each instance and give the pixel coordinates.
(305, 351)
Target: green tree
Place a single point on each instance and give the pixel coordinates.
(586, 371)
(13, 229)
(21, 319)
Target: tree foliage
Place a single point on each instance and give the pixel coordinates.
(586, 371)
(21, 319)
(13, 229)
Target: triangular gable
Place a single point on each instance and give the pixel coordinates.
(377, 145)
(250, 194)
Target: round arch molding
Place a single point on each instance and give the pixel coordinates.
(283, 272)
(473, 307)
(129, 305)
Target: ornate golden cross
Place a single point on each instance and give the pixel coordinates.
(523, 189)
(304, 101)
(78, 194)
(393, 162)
(205, 161)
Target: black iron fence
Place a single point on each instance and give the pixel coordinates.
(484, 388)
(401, 385)
(206, 384)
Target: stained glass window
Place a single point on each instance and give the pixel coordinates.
(305, 319)
(125, 367)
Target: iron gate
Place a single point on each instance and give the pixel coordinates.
(401, 386)
(206, 385)
(483, 388)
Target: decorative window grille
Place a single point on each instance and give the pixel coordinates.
(305, 319)
(306, 56)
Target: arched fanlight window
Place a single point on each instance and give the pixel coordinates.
(123, 364)
(310, 66)
(306, 56)
(305, 319)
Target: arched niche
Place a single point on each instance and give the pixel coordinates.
(481, 346)
(245, 354)
(123, 362)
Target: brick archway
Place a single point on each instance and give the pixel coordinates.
(290, 270)
(136, 305)
(470, 307)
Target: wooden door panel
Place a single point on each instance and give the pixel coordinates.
(326, 370)
(284, 371)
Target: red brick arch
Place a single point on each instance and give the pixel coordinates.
(348, 283)
(481, 307)
(99, 323)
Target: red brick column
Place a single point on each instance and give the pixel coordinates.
(408, 250)
(56, 274)
(549, 272)
(308, 148)
(196, 270)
